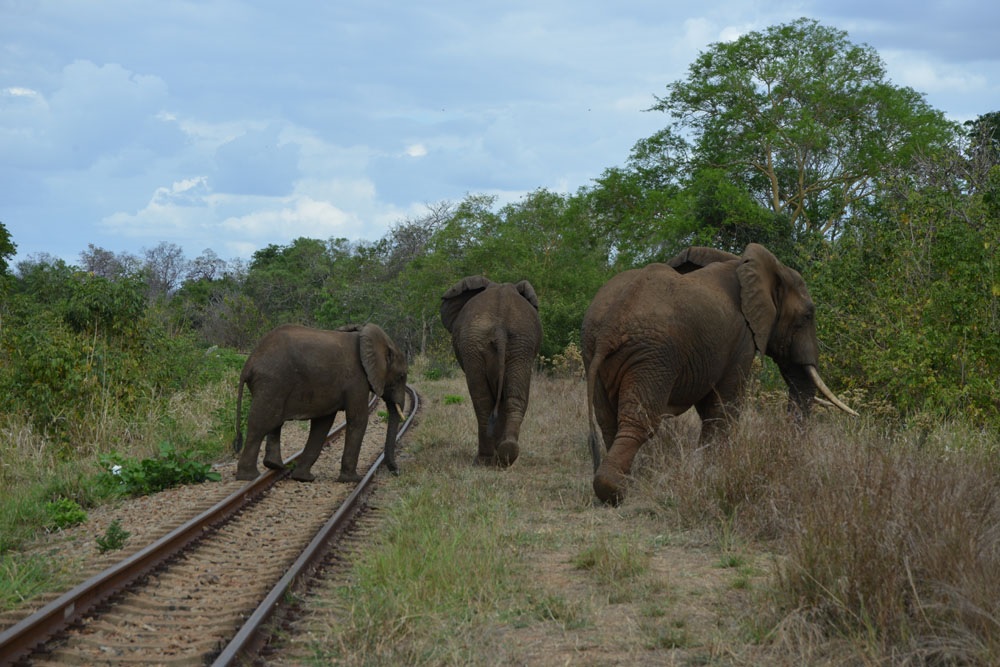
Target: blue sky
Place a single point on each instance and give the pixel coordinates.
(231, 124)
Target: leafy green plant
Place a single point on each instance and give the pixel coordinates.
(170, 468)
(451, 399)
(64, 512)
(114, 537)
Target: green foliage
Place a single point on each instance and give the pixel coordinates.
(7, 250)
(114, 538)
(452, 399)
(131, 477)
(799, 119)
(912, 295)
(64, 513)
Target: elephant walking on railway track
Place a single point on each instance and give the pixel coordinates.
(298, 373)
(496, 334)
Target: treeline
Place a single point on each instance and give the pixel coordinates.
(791, 137)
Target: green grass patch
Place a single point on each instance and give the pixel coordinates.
(23, 576)
(444, 561)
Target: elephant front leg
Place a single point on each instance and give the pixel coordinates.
(612, 474)
(352, 450)
(717, 418)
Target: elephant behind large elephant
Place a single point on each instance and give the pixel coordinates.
(496, 334)
(661, 339)
(297, 373)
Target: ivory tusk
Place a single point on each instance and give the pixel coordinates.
(818, 381)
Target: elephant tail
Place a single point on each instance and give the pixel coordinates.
(500, 341)
(238, 440)
(594, 439)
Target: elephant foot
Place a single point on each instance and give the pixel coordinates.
(484, 460)
(507, 453)
(246, 473)
(351, 477)
(609, 488)
(274, 464)
(302, 476)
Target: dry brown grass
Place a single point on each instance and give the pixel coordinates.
(847, 543)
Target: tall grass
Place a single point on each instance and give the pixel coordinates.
(887, 537)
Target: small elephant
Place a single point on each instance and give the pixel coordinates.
(661, 339)
(298, 372)
(496, 334)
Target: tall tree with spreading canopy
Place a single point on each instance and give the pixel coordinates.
(802, 119)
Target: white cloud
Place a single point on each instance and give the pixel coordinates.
(301, 216)
(16, 91)
(416, 150)
(927, 76)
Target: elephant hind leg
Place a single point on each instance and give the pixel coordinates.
(246, 469)
(507, 452)
(272, 451)
(612, 474)
(319, 427)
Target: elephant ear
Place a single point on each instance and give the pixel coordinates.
(759, 283)
(458, 294)
(697, 257)
(376, 356)
(528, 292)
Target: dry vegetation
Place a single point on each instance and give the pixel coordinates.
(848, 543)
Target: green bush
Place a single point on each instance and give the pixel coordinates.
(131, 477)
(64, 512)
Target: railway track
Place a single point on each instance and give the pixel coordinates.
(202, 593)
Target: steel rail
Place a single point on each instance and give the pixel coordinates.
(34, 630)
(250, 638)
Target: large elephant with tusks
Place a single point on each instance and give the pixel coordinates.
(661, 339)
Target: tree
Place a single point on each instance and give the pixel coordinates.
(286, 281)
(106, 264)
(802, 119)
(164, 266)
(7, 249)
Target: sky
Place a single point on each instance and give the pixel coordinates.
(231, 125)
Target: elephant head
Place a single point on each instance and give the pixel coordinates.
(385, 366)
(459, 294)
(780, 314)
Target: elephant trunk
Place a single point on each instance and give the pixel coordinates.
(823, 389)
(238, 440)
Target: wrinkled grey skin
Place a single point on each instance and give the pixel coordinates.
(496, 334)
(298, 373)
(661, 339)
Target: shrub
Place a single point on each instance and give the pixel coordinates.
(63, 513)
(136, 478)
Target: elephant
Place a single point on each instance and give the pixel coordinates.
(660, 339)
(496, 334)
(297, 372)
